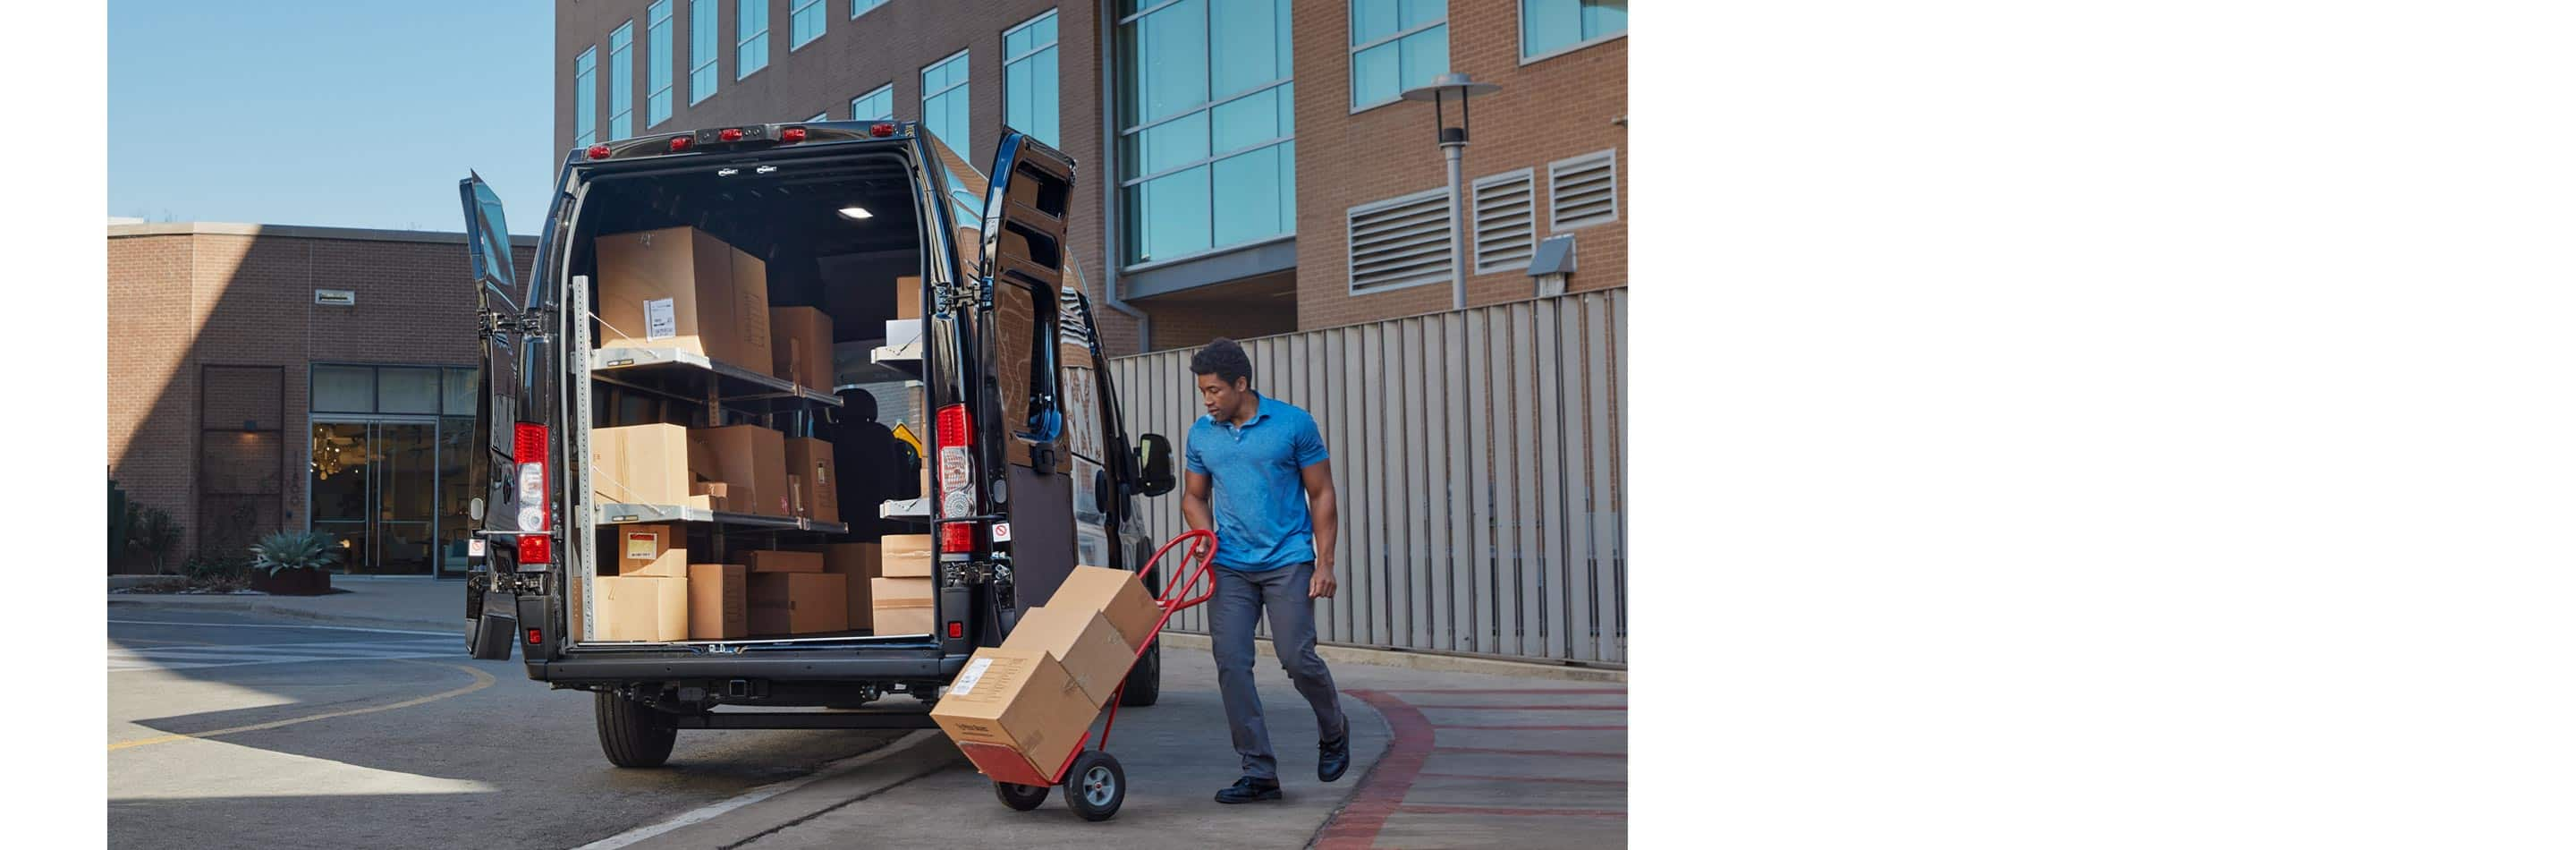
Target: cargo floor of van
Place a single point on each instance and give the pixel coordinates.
(848, 638)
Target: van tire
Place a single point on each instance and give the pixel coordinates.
(631, 733)
(1145, 680)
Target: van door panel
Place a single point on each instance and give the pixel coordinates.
(1023, 230)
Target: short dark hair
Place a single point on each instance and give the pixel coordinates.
(1224, 359)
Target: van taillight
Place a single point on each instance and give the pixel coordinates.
(955, 434)
(957, 537)
(528, 450)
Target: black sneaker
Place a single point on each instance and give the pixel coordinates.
(1336, 758)
(1248, 789)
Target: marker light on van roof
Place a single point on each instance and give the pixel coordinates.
(680, 143)
(881, 129)
(729, 134)
(855, 213)
(598, 151)
(792, 135)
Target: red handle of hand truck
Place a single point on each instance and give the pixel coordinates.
(1197, 562)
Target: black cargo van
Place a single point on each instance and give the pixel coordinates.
(1030, 470)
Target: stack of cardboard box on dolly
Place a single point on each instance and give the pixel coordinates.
(680, 288)
(1019, 709)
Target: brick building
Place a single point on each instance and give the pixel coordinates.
(265, 377)
(1230, 149)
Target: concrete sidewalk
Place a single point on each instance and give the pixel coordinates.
(381, 601)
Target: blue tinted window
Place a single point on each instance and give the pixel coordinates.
(1171, 55)
(621, 82)
(1029, 84)
(1549, 26)
(751, 51)
(1172, 215)
(873, 105)
(657, 36)
(702, 49)
(861, 7)
(804, 22)
(585, 98)
(944, 103)
(1396, 45)
(1204, 110)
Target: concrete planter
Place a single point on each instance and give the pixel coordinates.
(303, 582)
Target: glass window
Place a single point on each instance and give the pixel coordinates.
(1204, 83)
(804, 22)
(585, 98)
(621, 81)
(457, 394)
(348, 389)
(406, 390)
(657, 37)
(825, 115)
(873, 105)
(751, 50)
(1555, 26)
(943, 101)
(702, 50)
(1025, 322)
(861, 7)
(1029, 90)
(1396, 45)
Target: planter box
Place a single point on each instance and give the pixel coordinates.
(292, 582)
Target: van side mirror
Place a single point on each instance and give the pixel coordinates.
(1154, 457)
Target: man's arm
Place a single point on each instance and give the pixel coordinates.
(1328, 525)
(1194, 501)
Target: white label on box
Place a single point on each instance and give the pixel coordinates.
(643, 545)
(659, 321)
(966, 678)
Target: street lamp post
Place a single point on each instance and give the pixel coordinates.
(1453, 145)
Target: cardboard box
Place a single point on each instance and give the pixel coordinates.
(640, 464)
(719, 601)
(651, 550)
(650, 608)
(782, 561)
(856, 562)
(906, 555)
(902, 333)
(907, 297)
(1015, 712)
(678, 287)
(813, 479)
(798, 603)
(750, 460)
(903, 606)
(800, 346)
(1117, 595)
(1083, 641)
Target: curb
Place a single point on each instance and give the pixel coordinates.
(1427, 661)
(272, 609)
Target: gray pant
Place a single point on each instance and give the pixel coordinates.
(1240, 599)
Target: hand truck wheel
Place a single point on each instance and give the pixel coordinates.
(1020, 797)
(1096, 786)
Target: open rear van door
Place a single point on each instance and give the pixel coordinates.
(1023, 261)
(498, 300)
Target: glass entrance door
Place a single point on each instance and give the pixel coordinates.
(375, 491)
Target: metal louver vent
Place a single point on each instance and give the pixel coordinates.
(1583, 190)
(1400, 242)
(1505, 209)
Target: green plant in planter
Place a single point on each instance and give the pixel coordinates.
(293, 550)
(153, 533)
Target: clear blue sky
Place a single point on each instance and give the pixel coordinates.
(340, 113)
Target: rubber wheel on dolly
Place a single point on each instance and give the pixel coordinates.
(1021, 797)
(1095, 786)
(633, 734)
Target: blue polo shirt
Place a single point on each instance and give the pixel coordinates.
(1255, 492)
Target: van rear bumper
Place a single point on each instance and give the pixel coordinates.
(614, 670)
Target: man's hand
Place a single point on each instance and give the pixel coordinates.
(1323, 585)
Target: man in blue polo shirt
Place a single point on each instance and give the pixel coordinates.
(1258, 474)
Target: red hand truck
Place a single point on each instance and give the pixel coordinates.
(1094, 785)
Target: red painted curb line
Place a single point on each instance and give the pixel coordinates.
(1496, 810)
(1567, 780)
(1408, 746)
(1539, 728)
(1525, 707)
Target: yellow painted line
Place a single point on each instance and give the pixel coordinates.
(481, 680)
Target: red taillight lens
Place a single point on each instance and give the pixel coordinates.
(680, 144)
(536, 637)
(881, 129)
(792, 134)
(729, 135)
(598, 151)
(528, 443)
(956, 629)
(953, 426)
(536, 549)
(957, 537)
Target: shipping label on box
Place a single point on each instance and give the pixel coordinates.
(659, 321)
(669, 288)
(652, 550)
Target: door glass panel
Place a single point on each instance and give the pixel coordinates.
(340, 472)
(407, 390)
(344, 388)
(455, 447)
(406, 495)
(457, 397)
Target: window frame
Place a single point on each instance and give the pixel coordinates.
(621, 77)
(926, 94)
(855, 11)
(1054, 134)
(585, 97)
(887, 90)
(822, 21)
(1351, 67)
(714, 33)
(1121, 253)
(660, 51)
(1520, 32)
(741, 40)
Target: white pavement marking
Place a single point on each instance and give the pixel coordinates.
(707, 812)
(123, 659)
(271, 626)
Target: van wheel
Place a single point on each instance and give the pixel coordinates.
(631, 733)
(1145, 680)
